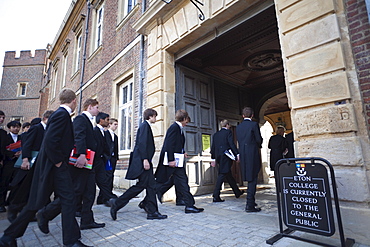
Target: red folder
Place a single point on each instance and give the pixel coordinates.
(89, 156)
(14, 147)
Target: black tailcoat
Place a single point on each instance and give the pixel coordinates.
(223, 140)
(277, 144)
(173, 143)
(144, 149)
(55, 148)
(250, 141)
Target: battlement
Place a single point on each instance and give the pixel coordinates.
(25, 58)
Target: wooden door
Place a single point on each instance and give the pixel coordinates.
(194, 93)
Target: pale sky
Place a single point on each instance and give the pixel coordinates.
(29, 24)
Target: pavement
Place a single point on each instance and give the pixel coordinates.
(221, 224)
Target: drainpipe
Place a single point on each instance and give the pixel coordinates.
(84, 55)
(142, 69)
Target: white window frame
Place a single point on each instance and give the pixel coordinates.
(54, 81)
(126, 119)
(21, 86)
(99, 26)
(64, 69)
(125, 7)
(78, 50)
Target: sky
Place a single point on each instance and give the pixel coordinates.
(29, 24)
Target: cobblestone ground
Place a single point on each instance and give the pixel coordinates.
(221, 224)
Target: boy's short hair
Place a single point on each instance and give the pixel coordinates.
(35, 121)
(182, 115)
(101, 115)
(2, 113)
(148, 113)
(47, 113)
(92, 102)
(13, 123)
(224, 122)
(66, 96)
(26, 124)
(112, 120)
(247, 112)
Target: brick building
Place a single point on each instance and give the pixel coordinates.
(300, 63)
(20, 96)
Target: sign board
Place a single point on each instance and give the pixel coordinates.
(306, 199)
(206, 142)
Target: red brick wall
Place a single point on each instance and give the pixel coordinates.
(359, 31)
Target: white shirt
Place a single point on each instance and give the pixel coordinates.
(101, 128)
(181, 127)
(111, 134)
(247, 118)
(69, 110)
(43, 124)
(91, 117)
(14, 136)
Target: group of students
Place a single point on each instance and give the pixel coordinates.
(74, 187)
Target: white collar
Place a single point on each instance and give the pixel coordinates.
(43, 124)
(69, 110)
(88, 114)
(179, 124)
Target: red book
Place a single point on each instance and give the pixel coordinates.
(14, 147)
(89, 156)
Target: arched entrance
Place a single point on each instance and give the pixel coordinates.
(242, 67)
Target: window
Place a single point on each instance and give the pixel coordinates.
(78, 50)
(64, 72)
(99, 27)
(54, 82)
(22, 88)
(125, 115)
(125, 7)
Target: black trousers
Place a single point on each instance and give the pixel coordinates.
(103, 181)
(180, 180)
(251, 192)
(84, 187)
(230, 179)
(163, 188)
(63, 188)
(147, 182)
(7, 174)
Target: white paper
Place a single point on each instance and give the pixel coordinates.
(179, 158)
(229, 153)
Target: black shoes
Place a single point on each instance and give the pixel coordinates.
(142, 206)
(218, 199)
(6, 241)
(250, 209)
(193, 209)
(241, 193)
(2, 209)
(42, 222)
(156, 216)
(92, 226)
(77, 244)
(180, 203)
(113, 208)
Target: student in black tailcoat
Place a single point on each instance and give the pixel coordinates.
(2, 138)
(112, 142)
(10, 157)
(278, 146)
(52, 175)
(250, 141)
(223, 141)
(174, 143)
(100, 160)
(21, 184)
(141, 168)
(83, 179)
